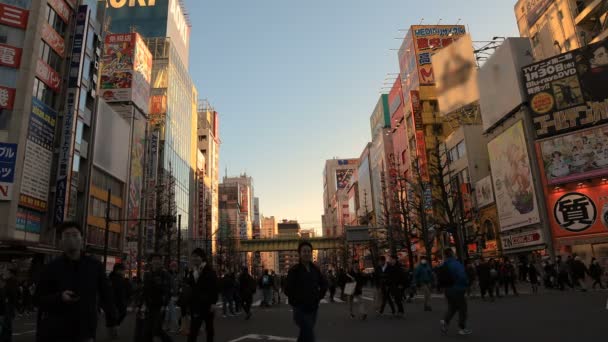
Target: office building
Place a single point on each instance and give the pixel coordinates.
(337, 175)
(288, 229)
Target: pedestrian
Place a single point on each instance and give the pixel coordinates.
(562, 273)
(305, 287)
(228, 287)
(356, 304)
(12, 295)
(455, 282)
(533, 277)
(579, 271)
(342, 282)
(423, 277)
(266, 285)
(70, 291)
(495, 276)
(171, 320)
(204, 295)
(486, 285)
(4, 337)
(247, 289)
(121, 290)
(276, 288)
(472, 275)
(332, 282)
(385, 286)
(156, 294)
(523, 269)
(595, 272)
(508, 276)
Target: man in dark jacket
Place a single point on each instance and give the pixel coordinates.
(579, 271)
(305, 288)
(398, 281)
(70, 291)
(246, 290)
(455, 293)
(205, 292)
(486, 283)
(156, 295)
(121, 290)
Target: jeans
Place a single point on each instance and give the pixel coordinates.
(510, 282)
(267, 292)
(356, 305)
(153, 326)
(456, 303)
(171, 317)
(306, 321)
(228, 303)
(247, 300)
(197, 321)
(386, 298)
(426, 291)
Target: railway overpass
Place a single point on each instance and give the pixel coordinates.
(288, 244)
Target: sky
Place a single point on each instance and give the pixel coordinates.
(295, 81)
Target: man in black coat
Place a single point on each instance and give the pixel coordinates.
(156, 295)
(246, 290)
(70, 291)
(305, 288)
(121, 288)
(204, 285)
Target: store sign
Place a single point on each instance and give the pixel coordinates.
(521, 240)
(10, 56)
(47, 75)
(8, 158)
(130, 3)
(568, 92)
(7, 98)
(13, 16)
(62, 9)
(51, 37)
(575, 212)
(428, 39)
(422, 157)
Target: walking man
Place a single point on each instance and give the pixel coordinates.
(384, 280)
(156, 295)
(423, 277)
(121, 290)
(246, 290)
(266, 285)
(70, 291)
(454, 279)
(595, 271)
(204, 285)
(305, 287)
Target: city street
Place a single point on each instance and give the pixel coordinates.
(552, 316)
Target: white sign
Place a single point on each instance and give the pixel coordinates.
(36, 171)
(484, 192)
(575, 212)
(520, 240)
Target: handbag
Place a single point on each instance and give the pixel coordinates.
(349, 288)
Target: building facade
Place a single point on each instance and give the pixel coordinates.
(288, 229)
(337, 176)
(269, 230)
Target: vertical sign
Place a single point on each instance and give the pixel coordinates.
(10, 56)
(8, 157)
(69, 122)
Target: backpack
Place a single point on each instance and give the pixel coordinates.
(444, 276)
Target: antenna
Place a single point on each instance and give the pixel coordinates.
(421, 21)
(439, 22)
(458, 22)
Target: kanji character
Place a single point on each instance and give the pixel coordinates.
(7, 55)
(4, 97)
(435, 42)
(423, 43)
(575, 212)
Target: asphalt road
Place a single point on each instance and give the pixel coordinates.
(551, 316)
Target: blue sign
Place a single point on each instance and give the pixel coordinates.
(42, 125)
(8, 157)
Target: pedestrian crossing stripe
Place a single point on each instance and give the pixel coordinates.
(263, 338)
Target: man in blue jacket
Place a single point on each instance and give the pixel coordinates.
(455, 294)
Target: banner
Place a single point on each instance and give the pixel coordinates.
(428, 39)
(8, 158)
(568, 91)
(343, 178)
(7, 98)
(51, 37)
(47, 75)
(62, 9)
(520, 240)
(513, 184)
(484, 193)
(28, 221)
(13, 16)
(575, 156)
(10, 56)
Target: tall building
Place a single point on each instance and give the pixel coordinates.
(337, 175)
(288, 229)
(257, 224)
(228, 234)
(209, 146)
(41, 41)
(246, 204)
(366, 209)
(557, 26)
(381, 157)
(269, 230)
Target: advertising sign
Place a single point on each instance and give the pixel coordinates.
(62, 9)
(422, 157)
(10, 56)
(47, 75)
(484, 192)
(82, 19)
(13, 16)
(520, 240)
(8, 157)
(7, 98)
(428, 39)
(158, 104)
(455, 69)
(568, 91)
(42, 125)
(28, 221)
(575, 156)
(343, 178)
(137, 173)
(51, 37)
(535, 9)
(513, 184)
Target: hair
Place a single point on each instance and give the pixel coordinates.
(448, 252)
(382, 258)
(304, 244)
(68, 225)
(119, 267)
(154, 255)
(200, 253)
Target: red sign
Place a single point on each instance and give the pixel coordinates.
(7, 98)
(422, 158)
(158, 104)
(10, 56)
(47, 75)
(55, 41)
(467, 202)
(61, 8)
(13, 16)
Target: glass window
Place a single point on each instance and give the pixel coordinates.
(86, 69)
(91, 39)
(79, 130)
(82, 103)
(76, 163)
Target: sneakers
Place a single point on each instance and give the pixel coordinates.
(444, 327)
(464, 332)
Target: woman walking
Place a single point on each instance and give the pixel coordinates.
(355, 302)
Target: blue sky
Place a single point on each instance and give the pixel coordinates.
(295, 81)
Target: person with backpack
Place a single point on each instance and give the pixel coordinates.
(423, 277)
(276, 288)
(266, 285)
(453, 278)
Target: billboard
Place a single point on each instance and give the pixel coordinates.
(28, 220)
(455, 69)
(126, 70)
(48, 75)
(521, 240)
(343, 178)
(512, 176)
(535, 9)
(136, 179)
(51, 37)
(395, 97)
(13, 16)
(568, 92)
(428, 39)
(500, 80)
(575, 156)
(10, 56)
(62, 9)
(8, 158)
(7, 98)
(484, 193)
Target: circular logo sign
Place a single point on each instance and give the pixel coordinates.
(575, 212)
(542, 103)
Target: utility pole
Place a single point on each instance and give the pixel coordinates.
(140, 235)
(107, 232)
(179, 242)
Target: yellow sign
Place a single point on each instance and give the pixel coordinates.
(130, 3)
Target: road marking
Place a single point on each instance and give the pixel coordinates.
(24, 333)
(263, 338)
